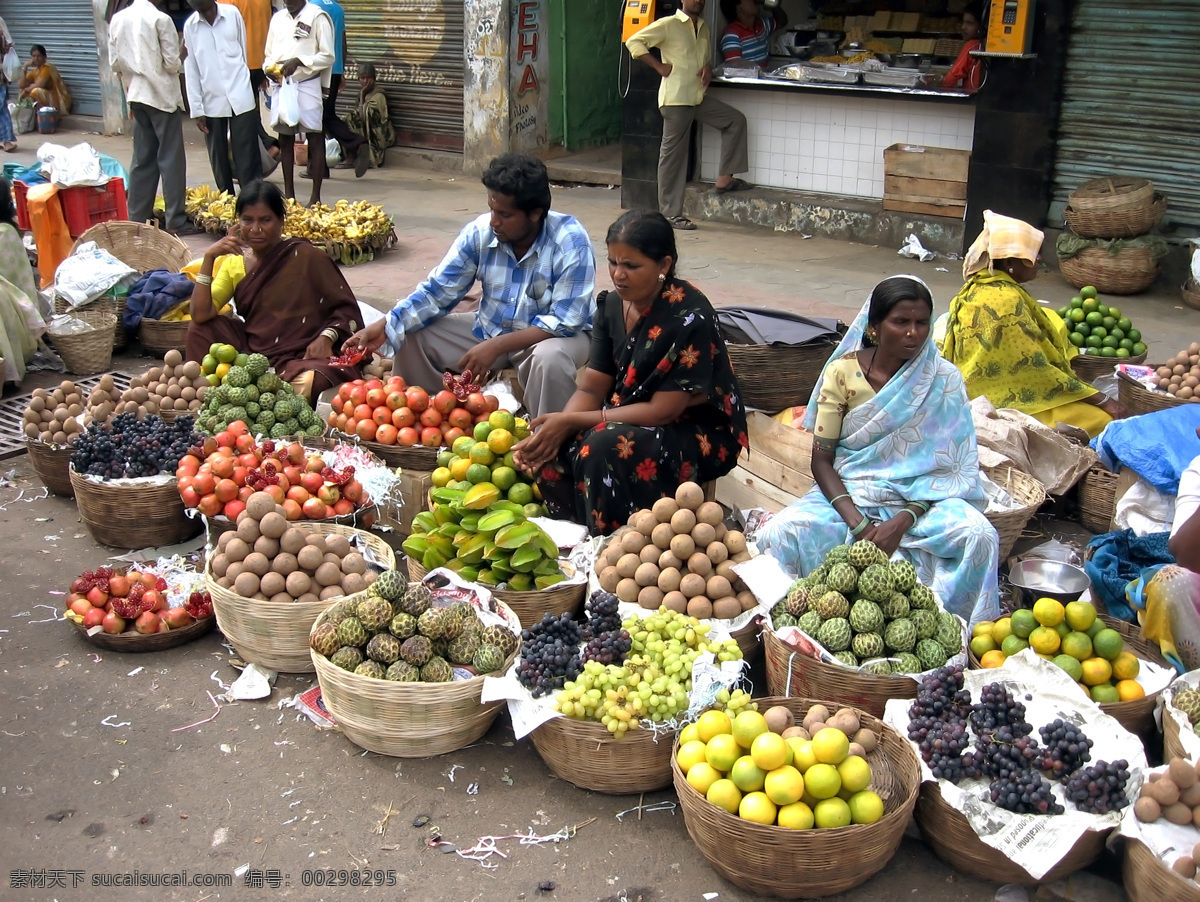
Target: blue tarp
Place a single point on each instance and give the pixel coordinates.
(1157, 446)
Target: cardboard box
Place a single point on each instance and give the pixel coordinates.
(414, 497)
(929, 180)
(773, 472)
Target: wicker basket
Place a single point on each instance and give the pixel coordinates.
(139, 246)
(113, 305)
(749, 639)
(1119, 223)
(1098, 499)
(528, 606)
(774, 378)
(406, 720)
(1090, 367)
(808, 864)
(1191, 294)
(418, 457)
(793, 673)
(158, 337)
(947, 831)
(90, 352)
(132, 642)
(1148, 879)
(586, 755)
(1137, 716)
(1172, 746)
(1129, 271)
(1112, 194)
(135, 513)
(1137, 399)
(52, 463)
(275, 634)
(1023, 488)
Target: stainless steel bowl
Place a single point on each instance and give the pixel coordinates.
(907, 60)
(1048, 579)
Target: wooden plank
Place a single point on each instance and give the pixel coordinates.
(414, 489)
(742, 490)
(922, 162)
(935, 188)
(786, 444)
(955, 211)
(774, 473)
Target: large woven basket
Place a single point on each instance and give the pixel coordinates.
(1191, 294)
(1172, 745)
(1137, 716)
(749, 639)
(586, 755)
(1138, 399)
(772, 378)
(139, 246)
(52, 463)
(1112, 194)
(1098, 499)
(528, 606)
(114, 305)
(134, 513)
(793, 673)
(808, 864)
(407, 720)
(1148, 879)
(1117, 224)
(275, 634)
(417, 457)
(1090, 367)
(1129, 271)
(89, 352)
(158, 337)
(1024, 489)
(947, 831)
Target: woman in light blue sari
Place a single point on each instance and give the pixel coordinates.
(895, 458)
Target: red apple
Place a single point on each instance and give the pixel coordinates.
(112, 623)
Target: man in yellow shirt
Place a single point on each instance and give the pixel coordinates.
(685, 43)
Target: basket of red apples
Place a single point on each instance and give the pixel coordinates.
(134, 611)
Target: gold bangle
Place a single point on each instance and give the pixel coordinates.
(202, 279)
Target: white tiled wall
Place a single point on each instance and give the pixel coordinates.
(832, 143)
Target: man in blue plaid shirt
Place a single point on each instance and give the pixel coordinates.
(538, 276)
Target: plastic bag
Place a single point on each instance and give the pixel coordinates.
(88, 273)
(286, 107)
(333, 152)
(11, 65)
(71, 166)
(26, 117)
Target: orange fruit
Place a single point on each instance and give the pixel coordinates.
(690, 753)
(724, 794)
(1080, 615)
(712, 723)
(756, 807)
(822, 781)
(480, 453)
(722, 751)
(796, 816)
(993, 658)
(1096, 671)
(1126, 666)
(748, 726)
(831, 813)
(830, 746)
(500, 441)
(1048, 611)
(459, 467)
(1001, 630)
(1128, 690)
(1077, 645)
(1108, 644)
(1044, 640)
(746, 775)
(502, 419)
(784, 785)
(855, 773)
(769, 751)
(701, 776)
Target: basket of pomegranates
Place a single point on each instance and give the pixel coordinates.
(136, 611)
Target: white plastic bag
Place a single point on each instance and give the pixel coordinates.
(11, 65)
(88, 273)
(333, 152)
(71, 166)
(285, 109)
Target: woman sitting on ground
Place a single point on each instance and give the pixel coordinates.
(894, 458)
(370, 119)
(293, 305)
(42, 83)
(20, 322)
(1007, 346)
(658, 404)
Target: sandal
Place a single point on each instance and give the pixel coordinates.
(735, 185)
(682, 223)
(10, 146)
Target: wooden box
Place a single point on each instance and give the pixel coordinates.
(929, 180)
(773, 472)
(414, 493)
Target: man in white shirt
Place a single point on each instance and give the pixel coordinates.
(300, 47)
(1185, 530)
(143, 50)
(220, 97)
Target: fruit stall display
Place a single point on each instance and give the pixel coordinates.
(1180, 375)
(1162, 835)
(1101, 330)
(176, 387)
(136, 610)
(252, 393)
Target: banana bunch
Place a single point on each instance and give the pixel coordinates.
(484, 539)
(219, 208)
(196, 199)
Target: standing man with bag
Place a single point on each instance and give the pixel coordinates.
(334, 126)
(220, 97)
(143, 50)
(300, 50)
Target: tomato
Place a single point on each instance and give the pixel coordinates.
(407, 437)
(365, 430)
(386, 433)
(233, 508)
(226, 490)
(376, 397)
(292, 510)
(475, 404)
(403, 416)
(209, 505)
(382, 416)
(460, 417)
(314, 509)
(431, 437)
(417, 398)
(444, 401)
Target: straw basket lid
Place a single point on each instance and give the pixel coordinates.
(1027, 492)
(1111, 194)
(139, 246)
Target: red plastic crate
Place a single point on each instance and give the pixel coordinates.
(84, 206)
(19, 190)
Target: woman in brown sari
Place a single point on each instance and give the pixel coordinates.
(293, 306)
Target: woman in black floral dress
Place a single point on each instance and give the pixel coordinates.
(658, 404)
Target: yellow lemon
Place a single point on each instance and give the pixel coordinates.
(1077, 645)
(1128, 690)
(993, 659)
(1048, 611)
(1023, 622)
(1126, 666)
(982, 628)
(748, 726)
(724, 794)
(502, 419)
(831, 813)
(722, 751)
(1001, 630)
(830, 746)
(746, 775)
(822, 781)
(784, 785)
(769, 751)
(855, 773)
(1080, 615)
(1013, 644)
(701, 776)
(712, 723)
(688, 734)
(500, 441)
(1096, 671)
(690, 753)
(796, 816)
(804, 758)
(1071, 665)
(981, 645)
(757, 807)
(1108, 644)
(1105, 694)
(1044, 640)
(440, 476)
(865, 807)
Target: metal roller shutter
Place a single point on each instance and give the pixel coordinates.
(417, 49)
(1130, 104)
(68, 32)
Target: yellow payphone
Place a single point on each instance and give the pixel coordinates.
(1010, 27)
(636, 16)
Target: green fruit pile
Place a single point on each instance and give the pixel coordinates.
(1098, 329)
(860, 607)
(394, 632)
(260, 399)
(484, 538)
(486, 457)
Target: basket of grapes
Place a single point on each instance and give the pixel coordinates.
(622, 685)
(1024, 778)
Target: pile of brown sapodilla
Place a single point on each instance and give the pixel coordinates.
(1180, 376)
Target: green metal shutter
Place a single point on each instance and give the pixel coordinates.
(1130, 102)
(68, 32)
(417, 49)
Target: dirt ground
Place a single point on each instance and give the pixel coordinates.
(104, 772)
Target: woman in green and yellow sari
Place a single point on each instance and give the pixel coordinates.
(1007, 346)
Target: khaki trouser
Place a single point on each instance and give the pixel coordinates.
(673, 154)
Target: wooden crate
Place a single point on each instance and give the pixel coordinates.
(773, 472)
(928, 180)
(414, 491)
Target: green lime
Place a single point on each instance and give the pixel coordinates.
(1083, 329)
(481, 431)
(1109, 323)
(1012, 644)
(1126, 344)
(1094, 319)
(1108, 352)
(1108, 342)
(1087, 291)
(1138, 348)
(1023, 623)
(1077, 339)
(533, 509)
(1124, 322)
(241, 360)
(1114, 311)
(443, 459)
(1103, 310)
(521, 493)
(1122, 352)
(477, 473)
(1062, 312)
(1133, 334)
(1091, 305)
(1116, 333)
(1092, 341)
(1099, 331)
(503, 478)
(1076, 301)
(208, 365)
(1077, 315)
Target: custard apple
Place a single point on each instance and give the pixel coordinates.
(347, 657)
(436, 670)
(782, 619)
(352, 632)
(894, 606)
(868, 645)
(403, 626)
(931, 653)
(372, 669)
(835, 634)
(904, 575)
(488, 659)
(384, 648)
(864, 553)
(831, 605)
(875, 583)
(810, 622)
(900, 635)
(866, 617)
(925, 623)
(416, 650)
(403, 672)
(906, 662)
(847, 657)
(324, 639)
(922, 598)
(842, 578)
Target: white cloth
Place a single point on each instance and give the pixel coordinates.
(1187, 502)
(307, 37)
(1143, 508)
(143, 49)
(218, 80)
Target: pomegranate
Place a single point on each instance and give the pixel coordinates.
(330, 494)
(352, 491)
(147, 623)
(312, 481)
(80, 585)
(81, 606)
(97, 596)
(94, 617)
(153, 601)
(314, 509)
(296, 454)
(176, 618)
(314, 464)
(113, 623)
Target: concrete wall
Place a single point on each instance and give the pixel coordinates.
(112, 97)
(585, 59)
